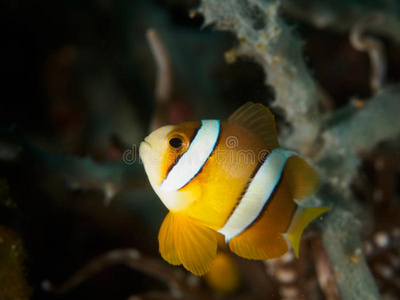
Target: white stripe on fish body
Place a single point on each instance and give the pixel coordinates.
(194, 158)
(258, 193)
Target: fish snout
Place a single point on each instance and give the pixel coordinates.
(145, 147)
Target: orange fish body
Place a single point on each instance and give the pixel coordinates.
(229, 177)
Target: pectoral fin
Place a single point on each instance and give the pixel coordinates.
(166, 240)
(185, 240)
(196, 245)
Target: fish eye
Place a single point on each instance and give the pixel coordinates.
(175, 142)
(178, 143)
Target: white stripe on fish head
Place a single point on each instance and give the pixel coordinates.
(193, 160)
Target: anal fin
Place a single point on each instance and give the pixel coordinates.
(260, 246)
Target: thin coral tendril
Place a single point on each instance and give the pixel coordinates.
(164, 81)
(135, 260)
(326, 101)
(372, 46)
(324, 269)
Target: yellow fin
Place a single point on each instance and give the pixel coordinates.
(261, 247)
(302, 217)
(224, 275)
(184, 240)
(166, 240)
(259, 120)
(196, 244)
(302, 178)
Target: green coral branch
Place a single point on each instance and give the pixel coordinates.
(376, 121)
(110, 177)
(342, 15)
(354, 131)
(264, 37)
(341, 239)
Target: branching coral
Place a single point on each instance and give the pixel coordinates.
(341, 15)
(264, 37)
(76, 173)
(335, 262)
(164, 83)
(134, 259)
(373, 47)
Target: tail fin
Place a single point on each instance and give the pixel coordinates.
(302, 217)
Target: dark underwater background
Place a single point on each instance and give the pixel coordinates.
(78, 93)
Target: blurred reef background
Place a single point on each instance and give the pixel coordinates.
(83, 82)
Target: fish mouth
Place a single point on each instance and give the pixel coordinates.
(145, 143)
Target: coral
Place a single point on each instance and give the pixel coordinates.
(134, 259)
(99, 85)
(264, 36)
(342, 15)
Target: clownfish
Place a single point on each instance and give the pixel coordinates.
(229, 177)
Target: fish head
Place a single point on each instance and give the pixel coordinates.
(160, 152)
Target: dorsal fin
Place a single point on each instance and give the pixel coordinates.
(258, 119)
